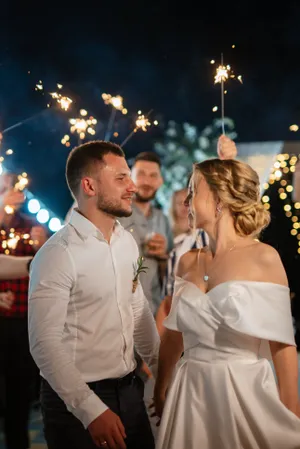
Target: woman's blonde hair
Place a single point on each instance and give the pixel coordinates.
(236, 185)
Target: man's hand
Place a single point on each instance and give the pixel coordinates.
(6, 300)
(108, 431)
(226, 148)
(157, 246)
(12, 198)
(39, 236)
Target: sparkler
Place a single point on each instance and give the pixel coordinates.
(142, 123)
(62, 101)
(20, 184)
(223, 73)
(117, 105)
(80, 126)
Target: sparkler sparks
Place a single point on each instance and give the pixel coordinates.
(223, 73)
(39, 86)
(142, 122)
(116, 102)
(80, 126)
(20, 185)
(64, 102)
(117, 105)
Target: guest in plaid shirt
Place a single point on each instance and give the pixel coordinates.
(16, 365)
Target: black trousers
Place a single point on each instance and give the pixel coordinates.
(17, 370)
(123, 396)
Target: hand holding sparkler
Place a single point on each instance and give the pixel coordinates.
(15, 197)
(226, 148)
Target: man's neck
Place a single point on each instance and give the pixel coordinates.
(104, 222)
(145, 208)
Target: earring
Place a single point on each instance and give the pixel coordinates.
(219, 208)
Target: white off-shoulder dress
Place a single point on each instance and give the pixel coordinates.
(224, 394)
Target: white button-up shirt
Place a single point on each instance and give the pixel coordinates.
(83, 317)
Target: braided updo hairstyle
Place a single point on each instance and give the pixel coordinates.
(236, 185)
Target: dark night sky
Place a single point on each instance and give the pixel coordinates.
(156, 56)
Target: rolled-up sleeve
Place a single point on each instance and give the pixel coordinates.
(52, 279)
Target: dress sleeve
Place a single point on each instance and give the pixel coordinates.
(261, 310)
(171, 322)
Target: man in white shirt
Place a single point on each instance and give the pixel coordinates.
(84, 316)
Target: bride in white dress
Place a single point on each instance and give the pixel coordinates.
(230, 316)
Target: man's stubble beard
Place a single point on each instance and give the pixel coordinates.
(143, 199)
(109, 208)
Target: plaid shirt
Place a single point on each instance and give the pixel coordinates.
(200, 241)
(21, 224)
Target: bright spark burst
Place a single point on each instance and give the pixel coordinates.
(64, 102)
(294, 128)
(142, 123)
(20, 185)
(22, 182)
(116, 102)
(224, 72)
(39, 86)
(81, 127)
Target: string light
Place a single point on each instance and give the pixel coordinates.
(283, 165)
(10, 241)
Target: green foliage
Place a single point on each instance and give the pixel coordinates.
(181, 146)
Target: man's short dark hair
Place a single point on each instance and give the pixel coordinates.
(148, 156)
(81, 160)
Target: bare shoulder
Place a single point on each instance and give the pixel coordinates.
(268, 254)
(189, 260)
(270, 264)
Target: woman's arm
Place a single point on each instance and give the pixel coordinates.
(285, 361)
(13, 267)
(170, 351)
(162, 313)
(284, 356)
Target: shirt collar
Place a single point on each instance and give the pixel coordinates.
(86, 228)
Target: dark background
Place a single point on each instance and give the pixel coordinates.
(157, 56)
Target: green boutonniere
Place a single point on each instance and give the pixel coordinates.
(138, 268)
